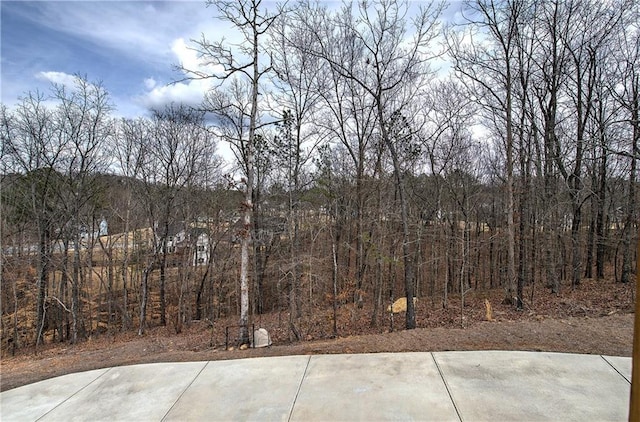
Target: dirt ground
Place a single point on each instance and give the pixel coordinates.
(593, 319)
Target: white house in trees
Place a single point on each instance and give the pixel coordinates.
(201, 252)
(192, 241)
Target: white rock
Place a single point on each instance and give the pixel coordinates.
(261, 338)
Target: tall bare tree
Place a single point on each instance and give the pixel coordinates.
(177, 151)
(298, 81)
(447, 144)
(346, 114)
(129, 149)
(627, 92)
(31, 148)
(84, 127)
(490, 68)
(592, 26)
(252, 23)
(371, 45)
(550, 58)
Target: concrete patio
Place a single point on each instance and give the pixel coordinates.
(438, 386)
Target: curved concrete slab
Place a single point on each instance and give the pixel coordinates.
(535, 386)
(129, 393)
(457, 386)
(373, 387)
(261, 389)
(33, 401)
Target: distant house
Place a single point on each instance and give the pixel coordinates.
(201, 252)
(175, 237)
(191, 240)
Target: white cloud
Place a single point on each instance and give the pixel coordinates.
(59, 78)
(187, 57)
(150, 83)
(142, 31)
(136, 44)
(189, 91)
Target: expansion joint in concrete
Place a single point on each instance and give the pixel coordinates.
(293, 404)
(184, 391)
(444, 381)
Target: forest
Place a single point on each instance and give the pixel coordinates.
(379, 149)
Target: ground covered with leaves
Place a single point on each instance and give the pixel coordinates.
(594, 318)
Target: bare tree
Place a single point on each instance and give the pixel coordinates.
(391, 71)
(626, 90)
(592, 27)
(30, 147)
(446, 141)
(252, 23)
(348, 115)
(490, 68)
(177, 151)
(84, 127)
(232, 108)
(298, 85)
(571, 42)
(129, 148)
(550, 58)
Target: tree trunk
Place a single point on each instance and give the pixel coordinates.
(63, 322)
(631, 211)
(360, 259)
(404, 212)
(511, 231)
(576, 246)
(591, 235)
(144, 298)
(43, 277)
(125, 269)
(163, 272)
(75, 290)
(522, 251)
(200, 291)
(601, 237)
(334, 276)
(245, 245)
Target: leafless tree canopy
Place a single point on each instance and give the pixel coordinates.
(381, 149)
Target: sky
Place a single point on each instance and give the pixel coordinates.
(129, 46)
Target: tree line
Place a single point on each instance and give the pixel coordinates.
(382, 149)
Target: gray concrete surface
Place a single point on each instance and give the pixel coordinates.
(439, 386)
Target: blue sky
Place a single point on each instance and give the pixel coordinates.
(130, 46)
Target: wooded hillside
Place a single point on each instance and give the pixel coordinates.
(368, 176)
